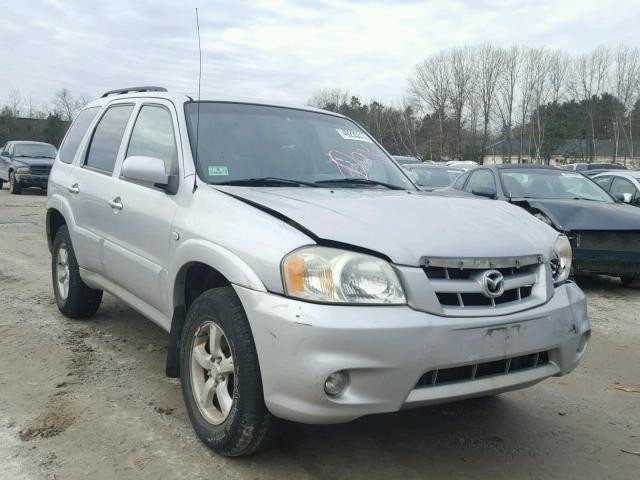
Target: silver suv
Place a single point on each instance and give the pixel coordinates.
(300, 274)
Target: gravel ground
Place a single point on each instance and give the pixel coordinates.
(90, 400)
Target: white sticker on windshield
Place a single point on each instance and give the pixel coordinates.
(353, 135)
(572, 175)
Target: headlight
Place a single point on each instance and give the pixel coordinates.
(561, 263)
(330, 275)
(22, 170)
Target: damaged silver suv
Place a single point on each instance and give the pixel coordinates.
(300, 273)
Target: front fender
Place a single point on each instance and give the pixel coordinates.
(232, 267)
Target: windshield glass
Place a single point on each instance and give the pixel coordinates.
(551, 184)
(241, 141)
(434, 176)
(34, 150)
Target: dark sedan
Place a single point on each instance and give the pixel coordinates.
(604, 232)
(26, 164)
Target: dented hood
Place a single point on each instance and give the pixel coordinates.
(573, 215)
(406, 226)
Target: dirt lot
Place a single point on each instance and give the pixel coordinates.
(90, 400)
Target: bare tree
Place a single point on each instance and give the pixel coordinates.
(588, 77)
(489, 67)
(67, 104)
(462, 84)
(506, 93)
(558, 65)
(330, 98)
(15, 102)
(541, 92)
(625, 82)
(430, 86)
(526, 84)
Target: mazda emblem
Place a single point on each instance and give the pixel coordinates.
(492, 283)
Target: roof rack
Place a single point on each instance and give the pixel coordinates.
(120, 91)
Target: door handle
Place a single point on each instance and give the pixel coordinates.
(74, 188)
(116, 203)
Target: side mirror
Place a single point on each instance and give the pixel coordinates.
(487, 192)
(149, 170)
(623, 197)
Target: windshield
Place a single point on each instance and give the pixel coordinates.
(240, 142)
(434, 176)
(34, 150)
(551, 184)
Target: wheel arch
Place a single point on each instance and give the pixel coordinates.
(55, 219)
(199, 266)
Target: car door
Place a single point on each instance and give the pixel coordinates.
(137, 256)
(621, 185)
(95, 185)
(64, 181)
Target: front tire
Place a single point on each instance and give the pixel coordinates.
(73, 297)
(14, 187)
(220, 376)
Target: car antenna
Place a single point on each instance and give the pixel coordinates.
(195, 174)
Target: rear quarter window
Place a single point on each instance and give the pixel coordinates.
(76, 133)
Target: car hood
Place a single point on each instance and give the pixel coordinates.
(34, 162)
(406, 227)
(568, 215)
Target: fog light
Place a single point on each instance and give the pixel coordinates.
(336, 383)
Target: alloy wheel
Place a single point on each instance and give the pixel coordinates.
(62, 271)
(212, 373)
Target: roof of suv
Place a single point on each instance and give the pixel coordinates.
(178, 98)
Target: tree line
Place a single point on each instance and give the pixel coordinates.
(521, 103)
(48, 121)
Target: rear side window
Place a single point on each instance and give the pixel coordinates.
(622, 185)
(480, 179)
(153, 136)
(603, 182)
(107, 137)
(76, 133)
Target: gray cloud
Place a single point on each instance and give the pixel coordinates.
(279, 49)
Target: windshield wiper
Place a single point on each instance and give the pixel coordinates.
(361, 181)
(265, 182)
(42, 156)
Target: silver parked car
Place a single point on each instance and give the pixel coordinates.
(624, 185)
(299, 272)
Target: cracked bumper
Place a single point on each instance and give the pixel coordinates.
(386, 350)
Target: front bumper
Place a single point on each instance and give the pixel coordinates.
(386, 350)
(606, 262)
(32, 180)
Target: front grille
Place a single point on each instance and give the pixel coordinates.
(462, 286)
(476, 371)
(609, 241)
(40, 169)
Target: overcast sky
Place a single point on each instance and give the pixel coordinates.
(278, 49)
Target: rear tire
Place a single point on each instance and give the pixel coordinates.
(73, 297)
(1, 182)
(627, 281)
(220, 376)
(14, 187)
